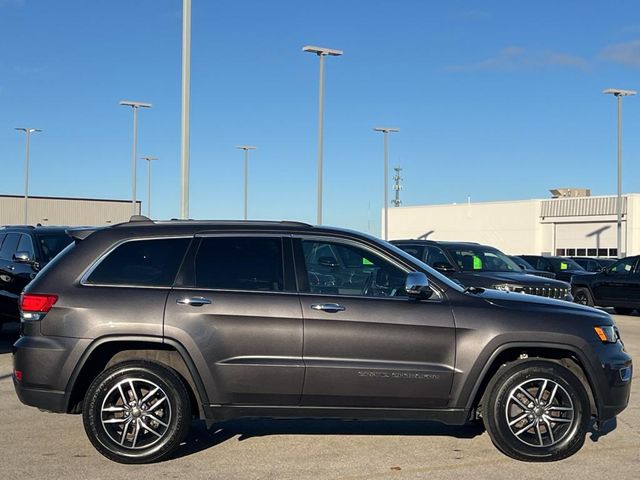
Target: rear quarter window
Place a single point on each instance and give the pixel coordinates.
(144, 263)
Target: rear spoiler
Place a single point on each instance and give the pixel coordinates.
(79, 234)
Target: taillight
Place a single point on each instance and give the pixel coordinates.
(32, 304)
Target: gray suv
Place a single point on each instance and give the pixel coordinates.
(143, 325)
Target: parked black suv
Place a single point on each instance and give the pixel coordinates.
(139, 326)
(524, 265)
(593, 264)
(23, 251)
(562, 267)
(617, 286)
(475, 265)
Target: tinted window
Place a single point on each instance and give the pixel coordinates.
(624, 266)
(152, 263)
(9, 246)
(435, 255)
(413, 250)
(240, 263)
(51, 245)
(344, 269)
(474, 258)
(26, 245)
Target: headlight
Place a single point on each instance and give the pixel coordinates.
(607, 334)
(505, 287)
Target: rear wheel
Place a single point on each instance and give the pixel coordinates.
(136, 412)
(583, 297)
(623, 310)
(536, 411)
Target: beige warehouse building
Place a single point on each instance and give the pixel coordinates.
(571, 225)
(64, 211)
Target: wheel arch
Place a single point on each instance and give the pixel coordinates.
(566, 355)
(107, 351)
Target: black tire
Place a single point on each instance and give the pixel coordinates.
(166, 412)
(583, 297)
(570, 427)
(623, 310)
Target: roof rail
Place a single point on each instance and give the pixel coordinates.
(17, 226)
(240, 222)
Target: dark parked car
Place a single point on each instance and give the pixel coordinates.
(24, 250)
(474, 265)
(139, 326)
(562, 267)
(524, 265)
(593, 264)
(617, 286)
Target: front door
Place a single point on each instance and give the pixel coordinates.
(365, 343)
(237, 312)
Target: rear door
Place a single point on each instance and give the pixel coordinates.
(236, 310)
(365, 343)
(619, 285)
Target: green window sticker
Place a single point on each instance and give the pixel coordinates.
(477, 263)
(366, 262)
(563, 265)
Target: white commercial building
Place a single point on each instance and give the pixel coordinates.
(574, 225)
(64, 211)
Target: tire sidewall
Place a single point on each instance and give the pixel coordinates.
(176, 396)
(496, 421)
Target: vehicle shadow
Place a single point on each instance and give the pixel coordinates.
(8, 336)
(201, 439)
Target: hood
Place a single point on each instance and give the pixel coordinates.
(488, 279)
(534, 302)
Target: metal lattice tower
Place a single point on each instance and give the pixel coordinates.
(397, 186)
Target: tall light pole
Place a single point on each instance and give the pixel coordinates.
(246, 149)
(28, 131)
(134, 106)
(149, 160)
(186, 107)
(321, 52)
(619, 94)
(385, 131)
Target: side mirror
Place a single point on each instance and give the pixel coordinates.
(444, 267)
(328, 262)
(417, 286)
(22, 257)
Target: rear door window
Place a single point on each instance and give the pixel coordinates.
(240, 263)
(26, 245)
(144, 263)
(51, 245)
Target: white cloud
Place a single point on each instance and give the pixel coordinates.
(627, 53)
(519, 58)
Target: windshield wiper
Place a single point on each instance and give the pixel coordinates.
(475, 290)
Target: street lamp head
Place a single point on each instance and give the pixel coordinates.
(148, 159)
(28, 130)
(131, 103)
(246, 147)
(322, 51)
(619, 93)
(386, 129)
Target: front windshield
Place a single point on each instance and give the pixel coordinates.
(561, 263)
(476, 258)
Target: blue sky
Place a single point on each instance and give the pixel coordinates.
(494, 99)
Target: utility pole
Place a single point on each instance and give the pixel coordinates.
(28, 131)
(397, 186)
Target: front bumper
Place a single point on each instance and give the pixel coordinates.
(613, 379)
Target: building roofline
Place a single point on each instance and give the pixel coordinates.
(112, 200)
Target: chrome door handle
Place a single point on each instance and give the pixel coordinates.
(329, 307)
(194, 301)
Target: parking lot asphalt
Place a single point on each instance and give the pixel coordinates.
(36, 445)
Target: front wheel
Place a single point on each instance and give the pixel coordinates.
(136, 412)
(583, 297)
(536, 411)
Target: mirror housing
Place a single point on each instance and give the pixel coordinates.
(444, 267)
(22, 257)
(417, 286)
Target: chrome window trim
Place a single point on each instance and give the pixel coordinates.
(87, 273)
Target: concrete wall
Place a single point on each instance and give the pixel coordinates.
(512, 227)
(64, 211)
